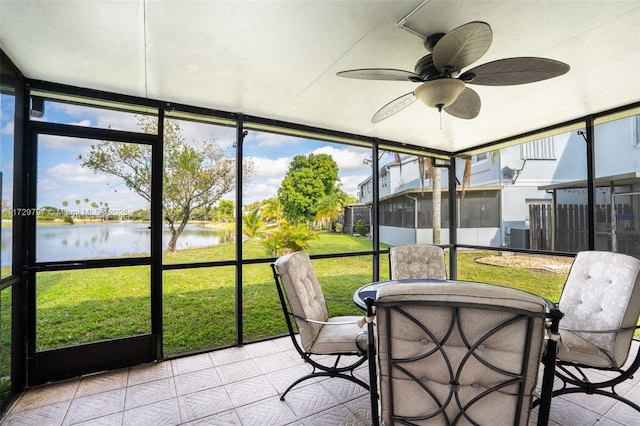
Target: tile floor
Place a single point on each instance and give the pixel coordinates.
(241, 386)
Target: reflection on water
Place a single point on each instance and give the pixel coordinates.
(91, 241)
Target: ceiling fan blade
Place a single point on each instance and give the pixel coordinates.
(467, 105)
(511, 71)
(462, 46)
(394, 107)
(380, 74)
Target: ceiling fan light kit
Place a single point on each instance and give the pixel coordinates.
(439, 93)
(444, 85)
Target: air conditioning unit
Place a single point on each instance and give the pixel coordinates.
(519, 238)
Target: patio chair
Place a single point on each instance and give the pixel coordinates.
(303, 303)
(601, 304)
(417, 261)
(454, 353)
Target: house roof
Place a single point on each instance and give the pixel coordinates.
(604, 181)
(278, 59)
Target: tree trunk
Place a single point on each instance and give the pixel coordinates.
(175, 232)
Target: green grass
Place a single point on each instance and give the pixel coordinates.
(90, 305)
(542, 284)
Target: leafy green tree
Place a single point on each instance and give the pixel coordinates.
(224, 211)
(141, 214)
(252, 224)
(195, 173)
(49, 213)
(308, 179)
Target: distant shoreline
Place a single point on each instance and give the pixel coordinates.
(8, 223)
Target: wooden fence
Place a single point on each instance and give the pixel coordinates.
(567, 229)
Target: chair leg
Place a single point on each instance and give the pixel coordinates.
(301, 379)
(325, 374)
(549, 361)
(373, 373)
(565, 391)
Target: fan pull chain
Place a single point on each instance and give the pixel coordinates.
(439, 106)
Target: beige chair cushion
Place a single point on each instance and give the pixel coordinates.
(601, 293)
(304, 293)
(417, 261)
(505, 349)
(341, 335)
(574, 348)
(306, 300)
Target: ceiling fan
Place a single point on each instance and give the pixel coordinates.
(443, 86)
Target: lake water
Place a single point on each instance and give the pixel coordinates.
(92, 241)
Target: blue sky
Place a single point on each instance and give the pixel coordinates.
(62, 178)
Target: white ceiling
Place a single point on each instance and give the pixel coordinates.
(278, 59)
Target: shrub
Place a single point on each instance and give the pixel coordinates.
(361, 228)
(288, 238)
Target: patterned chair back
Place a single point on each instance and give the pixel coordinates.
(417, 261)
(304, 294)
(602, 292)
(453, 352)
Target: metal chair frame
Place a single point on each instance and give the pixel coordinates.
(510, 378)
(319, 369)
(574, 378)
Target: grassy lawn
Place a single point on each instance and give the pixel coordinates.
(199, 304)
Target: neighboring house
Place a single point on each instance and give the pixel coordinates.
(546, 176)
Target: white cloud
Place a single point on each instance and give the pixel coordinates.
(60, 143)
(272, 140)
(347, 159)
(97, 117)
(260, 191)
(350, 183)
(74, 173)
(83, 123)
(60, 187)
(268, 168)
(193, 131)
(8, 128)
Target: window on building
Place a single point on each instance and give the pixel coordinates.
(479, 157)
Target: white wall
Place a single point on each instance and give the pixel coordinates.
(395, 236)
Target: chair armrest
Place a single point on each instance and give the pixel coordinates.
(616, 330)
(325, 322)
(335, 299)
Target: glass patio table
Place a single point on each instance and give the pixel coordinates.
(371, 290)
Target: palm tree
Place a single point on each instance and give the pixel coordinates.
(94, 205)
(329, 208)
(86, 202)
(65, 204)
(252, 224)
(272, 209)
